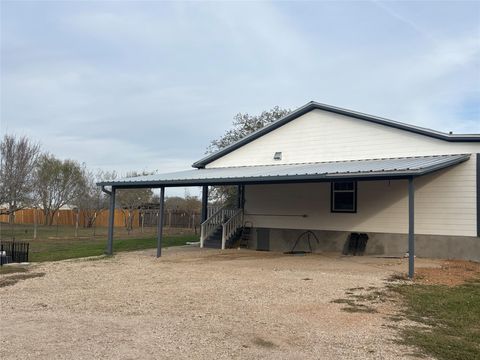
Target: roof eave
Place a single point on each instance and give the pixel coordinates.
(288, 178)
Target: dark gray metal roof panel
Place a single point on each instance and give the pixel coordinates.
(312, 105)
(388, 167)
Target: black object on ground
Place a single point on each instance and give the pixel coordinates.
(307, 235)
(356, 244)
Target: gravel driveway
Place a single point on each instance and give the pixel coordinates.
(198, 304)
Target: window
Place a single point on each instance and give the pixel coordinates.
(344, 196)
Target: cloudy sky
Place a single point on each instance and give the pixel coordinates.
(147, 85)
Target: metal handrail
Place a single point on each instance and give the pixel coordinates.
(231, 225)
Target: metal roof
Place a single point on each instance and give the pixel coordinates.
(312, 105)
(318, 171)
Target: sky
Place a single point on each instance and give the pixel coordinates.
(145, 86)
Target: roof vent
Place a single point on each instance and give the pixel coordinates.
(277, 155)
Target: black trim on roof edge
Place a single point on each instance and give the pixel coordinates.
(312, 105)
(403, 174)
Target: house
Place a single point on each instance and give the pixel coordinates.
(334, 172)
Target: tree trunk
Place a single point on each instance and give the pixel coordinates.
(76, 223)
(11, 217)
(46, 216)
(35, 224)
(51, 217)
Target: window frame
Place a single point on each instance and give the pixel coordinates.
(332, 197)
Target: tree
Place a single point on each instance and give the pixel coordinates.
(189, 205)
(57, 183)
(132, 199)
(17, 168)
(243, 125)
(91, 201)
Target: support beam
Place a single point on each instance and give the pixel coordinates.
(204, 204)
(239, 196)
(411, 228)
(111, 221)
(478, 194)
(160, 222)
(243, 197)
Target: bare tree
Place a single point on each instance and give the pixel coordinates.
(17, 167)
(243, 125)
(91, 201)
(131, 200)
(57, 183)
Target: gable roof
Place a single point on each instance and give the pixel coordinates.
(312, 105)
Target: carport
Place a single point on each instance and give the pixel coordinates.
(407, 168)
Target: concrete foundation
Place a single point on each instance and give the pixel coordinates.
(429, 246)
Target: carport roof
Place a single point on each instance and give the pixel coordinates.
(304, 172)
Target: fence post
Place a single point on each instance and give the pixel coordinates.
(77, 215)
(34, 223)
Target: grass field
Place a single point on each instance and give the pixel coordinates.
(25, 232)
(53, 250)
(60, 243)
(448, 319)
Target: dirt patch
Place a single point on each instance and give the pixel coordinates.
(263, 343)
(450, 273)
(13, 279)
(10, 269)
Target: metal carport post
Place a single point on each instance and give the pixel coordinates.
(111, 218)
(411, 228)
(204, 203)
(160, 222)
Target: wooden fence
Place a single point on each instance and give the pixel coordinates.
(172, 218)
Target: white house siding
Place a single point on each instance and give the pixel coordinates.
(382, 207)
(445, 204)
(324, 136)
(445, 201)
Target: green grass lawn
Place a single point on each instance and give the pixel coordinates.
(58, 243)
(24, 232)
(448, 318)
(60, 249)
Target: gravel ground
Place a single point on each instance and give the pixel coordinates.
(198, 304)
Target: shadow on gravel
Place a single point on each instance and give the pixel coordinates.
(13, 279)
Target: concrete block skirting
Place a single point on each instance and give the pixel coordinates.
(430, 246)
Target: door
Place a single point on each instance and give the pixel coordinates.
(263, 239)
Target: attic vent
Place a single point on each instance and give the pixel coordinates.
(277, 156)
